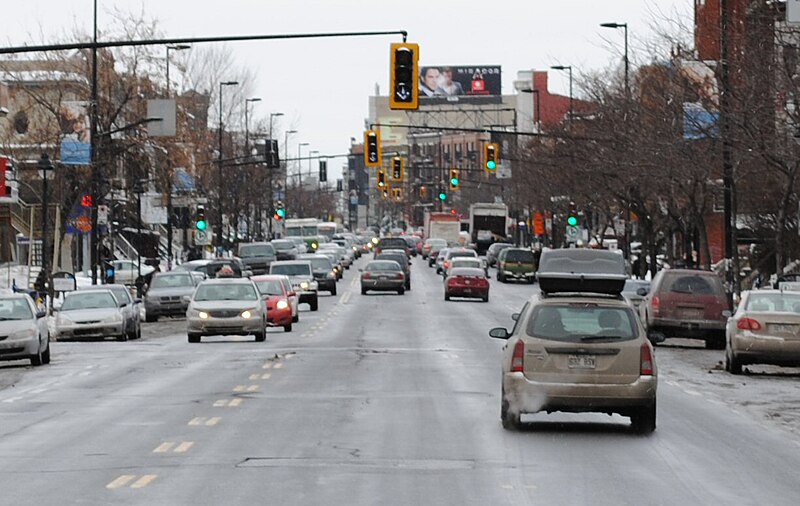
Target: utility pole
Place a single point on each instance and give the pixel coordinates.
(727, 165)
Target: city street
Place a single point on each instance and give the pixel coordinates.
(376, 399)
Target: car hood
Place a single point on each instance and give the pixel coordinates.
(170, 291)
(9, 326)
(90, 315)
(211, 305)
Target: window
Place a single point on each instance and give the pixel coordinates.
(579, 322)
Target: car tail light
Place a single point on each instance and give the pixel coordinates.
(399, 275)
(517, 357)
(646, 362)
(656, 305)
(366, 275)
(748, 324)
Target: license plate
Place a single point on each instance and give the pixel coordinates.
(693, 314)
(782, 328)
(467, 290)
(582, 361)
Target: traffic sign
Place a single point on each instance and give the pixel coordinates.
(201, 238)
(572, 233)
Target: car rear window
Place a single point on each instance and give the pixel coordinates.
(774, 302)
(463, 253)
(582, 322)
(291, 269)
(400, 259)
(256, 250)
(392, 242)
(172, 281)
(383, 266)
(694, 284)
(518, 255)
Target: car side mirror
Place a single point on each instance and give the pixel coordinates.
(515, 316)
(186, 298)
(499, 333)
(292, 294)
(41, 314)
(641, 291)
(137, 300)
(726, 313)
(124, 304)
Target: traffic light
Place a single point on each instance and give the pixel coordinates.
(423, 192)
(572, 219)
(280, 212)
(200, 222)
(87, 201)
(9, 186)
(442, 195)
(397, 169)
(397, 193)
(454, 181)
(381, 179)
(323, 171)
(403, 82)
(491, 155)
(372, 148)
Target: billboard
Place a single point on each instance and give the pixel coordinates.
(457, 82)
(75, 133)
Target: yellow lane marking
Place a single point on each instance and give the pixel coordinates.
(201, 420)
(346, 297)
(290, 355)
(266, 376)
(121, 481)
(144, 481)
(240, 388)
(268, 365)
(235, 402)
(214, 420)
(252, 388)
(254, 377)
(219, 404)
(164, 448)
(278, 365)
(184, 447)
(197, 420)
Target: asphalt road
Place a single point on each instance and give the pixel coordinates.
(372, 399)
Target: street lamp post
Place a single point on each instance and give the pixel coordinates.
(45, 165)
(269, 172)
(569, 68)
(285, 163)
(175, 47)
(625, 57)
(220, 241)
(247, 103)
(138, 189)
(299, 165)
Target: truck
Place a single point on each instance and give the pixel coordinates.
(305, 228)
(488, 223)
(440, 225)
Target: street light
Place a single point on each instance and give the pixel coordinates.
(625, 26)
(272, 115)
(285, 163)
(569, 68)
(247, 103)
(45, 165)
(175, 47)
(219, 161)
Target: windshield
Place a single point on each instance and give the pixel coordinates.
(94, 300)
(291, 269)
(697, 284)
(14, 309)
(382, 266)
(227, 291)
(320, 263)
(270, 287)
(581, 322)
(256, 250)
(171, 281)
(282, 245)
(515, 255)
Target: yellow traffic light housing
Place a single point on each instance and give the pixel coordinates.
(372, 148)
(491, 156)
(404, 78)
(382, 183)
(398, 169)
(454, 180)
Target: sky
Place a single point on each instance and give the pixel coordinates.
(322, 86)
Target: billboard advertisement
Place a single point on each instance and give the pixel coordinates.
(457, 82)
(75, 133)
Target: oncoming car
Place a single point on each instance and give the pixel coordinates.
(578, 346)
(231, 306)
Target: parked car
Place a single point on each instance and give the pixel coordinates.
(686, 303)
(635, 290)
(257, 256)
(23, 330)
(167, 294)
(383, 275)
(765, 329)
(324, 271)
(125, 272)
(400, 257)
(230, 306)
(469, 282)
(284, 249)
(494, 250)
(577, 346)
(130, 309)
(91, 313)
(516, 263)
(301, 274)
(276, 297)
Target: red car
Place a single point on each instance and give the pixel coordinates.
(279, 307)
(467, 282)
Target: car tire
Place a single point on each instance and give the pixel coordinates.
(715, 342)
(732, 364)
(123, 337)
(261, 336)
(314, 304)
(333, 290)
(138, 331)
(401, 291)
(37, 359)
(510, 420)
(295, 318)
(485, 298)
(46, 352)
(194, 338)
(150, 319)
(643, 420)
(446, 296)
(287, 328)
(363, 291)
(408, 285)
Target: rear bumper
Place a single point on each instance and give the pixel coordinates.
(279, 317)
(383, 284)
(750, 347)
(518, 275)
(474, 292)
(694, 328)
(527, 396)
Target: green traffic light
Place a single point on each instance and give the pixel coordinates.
(201, 225)
(454, 181)
(442, 196)
(491, 165)
(281, 213)
(572, 221)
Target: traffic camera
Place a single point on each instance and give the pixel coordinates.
(403, 82)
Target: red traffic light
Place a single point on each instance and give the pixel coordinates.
(87, 201)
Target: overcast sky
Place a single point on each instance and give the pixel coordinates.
(322, 86)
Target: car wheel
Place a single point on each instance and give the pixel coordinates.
(37, 359)
(295, 318)
(314, 304)
(333, 290)
(498, 277)
(194, 338)
(261, 336)
(446, 296)
(643, 420)
(715, 342)
(139, 331)
(485, 298)
(509, 419)
(363, 291)
(46, 352)
(401, 291)
(122, 337)
(150, 319)
(408, 285)
(732, 364)
(287, 328)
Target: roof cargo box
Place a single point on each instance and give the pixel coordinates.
(581, 270)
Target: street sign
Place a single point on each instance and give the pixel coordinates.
(102, 215)
(503, 172)
(201, 238)
(572, 233)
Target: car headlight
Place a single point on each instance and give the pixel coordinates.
(202, 314)
(23, 334)
(248, 313)
(63, 320)
(115, 318)
(331, 275)
(282, 304)
(304, 285)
